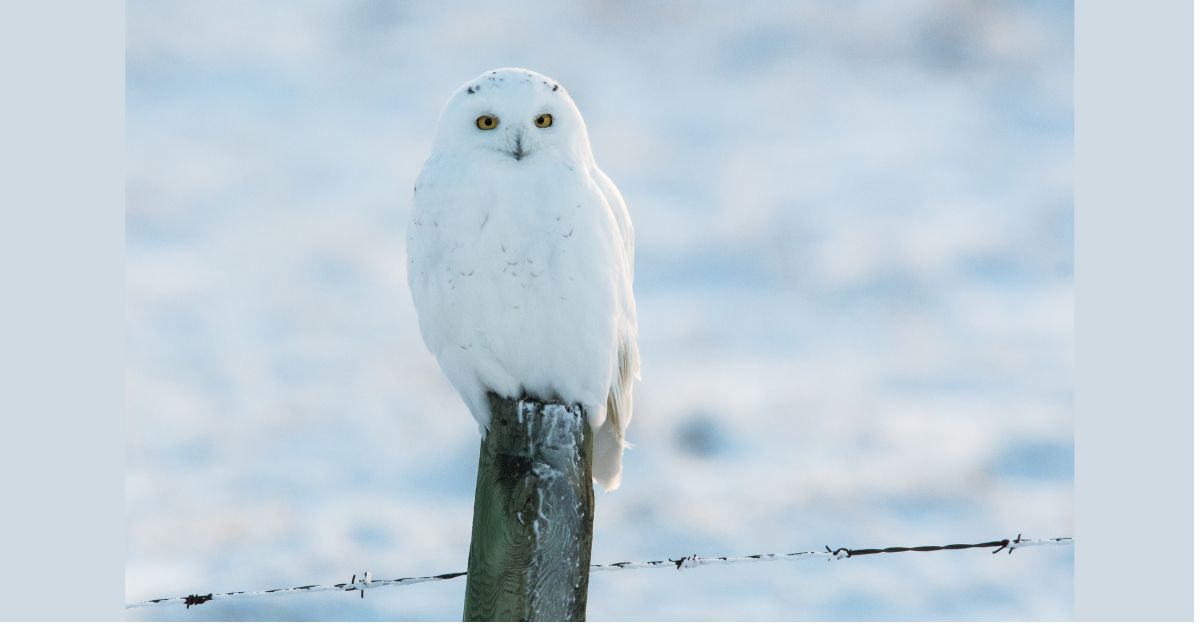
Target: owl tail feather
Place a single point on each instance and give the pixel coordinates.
(607, 448)
(608, 442)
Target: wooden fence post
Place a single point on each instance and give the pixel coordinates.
(531, 538)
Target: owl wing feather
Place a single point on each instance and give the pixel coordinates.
(610, 438)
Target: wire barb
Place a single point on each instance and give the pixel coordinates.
(364, 582)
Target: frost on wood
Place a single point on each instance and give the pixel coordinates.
(532, 534)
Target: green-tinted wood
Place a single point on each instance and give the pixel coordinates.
(531, 539)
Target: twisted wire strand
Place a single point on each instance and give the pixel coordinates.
(365, 581)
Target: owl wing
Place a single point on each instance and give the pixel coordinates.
(610, 439)
(616, 204)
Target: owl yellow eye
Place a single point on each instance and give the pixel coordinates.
(486, 122)
(543, 120)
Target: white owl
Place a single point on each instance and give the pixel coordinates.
(521, 258)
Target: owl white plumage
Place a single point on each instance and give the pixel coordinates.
(521, 258)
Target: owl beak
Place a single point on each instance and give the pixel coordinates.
(518, 151)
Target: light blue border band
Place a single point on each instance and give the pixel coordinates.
(61, 315)
(1133, 324)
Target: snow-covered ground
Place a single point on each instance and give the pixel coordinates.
(854, 283)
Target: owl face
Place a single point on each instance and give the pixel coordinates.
(514, 116)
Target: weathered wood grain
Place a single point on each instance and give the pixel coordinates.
(531, 539)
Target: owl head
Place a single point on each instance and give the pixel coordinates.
(514, 116)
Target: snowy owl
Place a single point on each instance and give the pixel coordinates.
(520, 258)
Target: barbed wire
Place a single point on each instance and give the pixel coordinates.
(366, 581)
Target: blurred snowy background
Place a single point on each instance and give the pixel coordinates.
(854, 281)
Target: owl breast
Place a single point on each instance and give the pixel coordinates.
(516, 274)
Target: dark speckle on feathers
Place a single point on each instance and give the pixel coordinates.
(470, 90)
